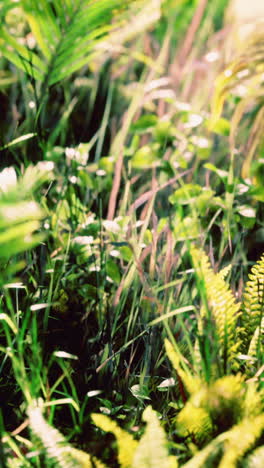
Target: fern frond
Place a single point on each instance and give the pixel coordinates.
(205, 457)
(83, 459)
(254, 401)
(68, 34)
(256, 459)
(253, 307)
(194, 422)
(56, 447)
(125, 442)
(221, 309)
(232, 444)
(190, 382)
(224, 400)
(239, 440)
(225, 272)
(255, 349)
(220, 404)
(152, 451)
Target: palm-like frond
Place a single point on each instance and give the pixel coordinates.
(221, 311)
(67, 34)
(222, 408)
(256, 459)
(152, 449)
(56, 447)
(252, 310)
(125, 442)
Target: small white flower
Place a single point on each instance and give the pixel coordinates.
(111, 226)
(100, 172)
(114, 253)
(70, 153)
(45, 166)
(212, 56)
(194, 121)
(84, 240)
(228, 73)
(201, 142)
(8, 179)
(183, 106)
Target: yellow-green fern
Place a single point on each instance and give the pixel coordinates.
(56, 447)
(252, 310)
(229, 448)
(256, 459)
(220, 311)
(194, 422)
(125, 443)
(190, 382)
(150, 452)
(240, 439)
(152, 449)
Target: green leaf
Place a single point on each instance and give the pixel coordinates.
(112, 271)
(247, 215)
(144, 158)
(185, 194)
(144, 123)
(220, 172)
(220, 126)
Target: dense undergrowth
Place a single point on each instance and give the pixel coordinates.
(131, 233)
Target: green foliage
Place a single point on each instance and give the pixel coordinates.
(57, 450)
(252, 311)
(68, 35)
(243, 77)
(219, 315)
(20, 214)
(234, 328)
(125, 443)
(149, 452)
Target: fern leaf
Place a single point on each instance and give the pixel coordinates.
(256, 459)
(152, 451)
(253, 305)
(254, 401)
(190, 382)
(194, 422)
(224, 400)
(232, 444)
(68, 34)
(125, 442)
(83, 459)
(225, 272)
(255, 349)
(222, 308)
(173, 462)
(205, 457)
(56, 447)
(240, 439)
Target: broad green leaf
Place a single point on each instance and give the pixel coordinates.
(144, 158)
(185, 194)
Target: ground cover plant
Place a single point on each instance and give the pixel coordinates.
(131, 229)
